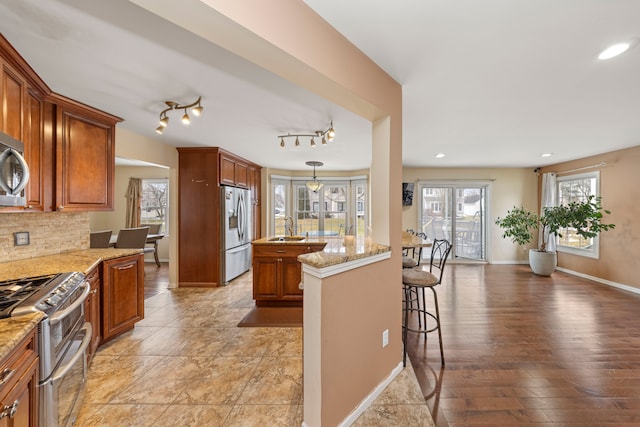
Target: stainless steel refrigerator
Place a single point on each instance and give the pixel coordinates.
(236, 232)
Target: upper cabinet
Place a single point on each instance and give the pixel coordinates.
(233, 170)
(69, 146)
(85, 157)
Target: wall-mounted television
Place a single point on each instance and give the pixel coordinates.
(407, 193)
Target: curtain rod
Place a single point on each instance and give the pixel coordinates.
(599, 165)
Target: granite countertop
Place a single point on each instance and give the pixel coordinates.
(14, 329)
(300, 240)
(336, 251)
(81, 260)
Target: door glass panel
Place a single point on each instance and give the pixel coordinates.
(457, 214)
(308, 211)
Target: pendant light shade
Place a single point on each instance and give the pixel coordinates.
(314, 185)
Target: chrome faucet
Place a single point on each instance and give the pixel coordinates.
(289, 227)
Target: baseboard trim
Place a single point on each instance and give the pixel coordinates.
(364, 405)
(600, 280)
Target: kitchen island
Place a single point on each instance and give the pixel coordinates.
(277, 273)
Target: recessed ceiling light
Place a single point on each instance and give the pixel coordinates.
(546, 155)
(614, 50)
(439, 155)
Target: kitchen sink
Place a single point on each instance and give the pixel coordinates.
(287, 239)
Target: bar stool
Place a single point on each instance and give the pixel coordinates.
(414, 283)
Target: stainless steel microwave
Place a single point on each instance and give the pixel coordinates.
(14, 172)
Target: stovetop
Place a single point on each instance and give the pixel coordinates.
(41, 293)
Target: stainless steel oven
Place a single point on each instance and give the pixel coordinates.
(14, 172)
(63, 338)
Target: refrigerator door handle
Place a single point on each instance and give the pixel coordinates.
(241, 219)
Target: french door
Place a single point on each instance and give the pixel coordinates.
(457, 213)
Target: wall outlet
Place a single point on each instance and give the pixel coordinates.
(385, 338)
(21, 238)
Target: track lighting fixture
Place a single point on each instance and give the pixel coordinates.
(195, 106)
(323, 135)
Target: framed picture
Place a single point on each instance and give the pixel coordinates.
(407, 193)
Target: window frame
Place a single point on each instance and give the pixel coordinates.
(164, 229)
(594, 250)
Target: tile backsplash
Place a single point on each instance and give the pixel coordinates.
(49, 233)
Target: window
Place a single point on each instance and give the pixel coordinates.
(340, 206)
(436, 207)
(576, 188)
(154, 203)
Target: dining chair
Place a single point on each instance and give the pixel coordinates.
(153, 228)
(132, 238)
(414, 283)
(99, 239)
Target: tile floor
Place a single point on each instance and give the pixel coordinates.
(188, 364)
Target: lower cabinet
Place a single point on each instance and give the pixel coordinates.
(122, 294)
(19, 385)
(92, 311)
(277, 273)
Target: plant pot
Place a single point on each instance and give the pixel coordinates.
(542, 263)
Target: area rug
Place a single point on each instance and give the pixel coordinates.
(278, 317)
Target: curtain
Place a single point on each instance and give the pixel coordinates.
(549, 199)
(133, 195)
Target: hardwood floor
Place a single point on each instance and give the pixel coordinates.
(156, 279)
(521, 349)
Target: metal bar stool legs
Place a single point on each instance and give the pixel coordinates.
(414, 283)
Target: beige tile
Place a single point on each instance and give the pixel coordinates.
(194, 416)
(404, 389)
(163, 382)
(108, 375)
(221, 383)
(248, 342)
(263, 415)
(395, 415)
(276, 381)
(204, 342)
(120, 344)
(123, 415)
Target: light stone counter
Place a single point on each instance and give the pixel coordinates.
(82, 261)
(338, 249)
(14, 329)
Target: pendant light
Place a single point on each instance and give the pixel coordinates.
(314, 185)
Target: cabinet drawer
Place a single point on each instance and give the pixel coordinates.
(14, 365)
(285, 250)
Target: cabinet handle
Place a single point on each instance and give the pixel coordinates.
(94, 291)
(10, 411)
(60, 208)
(280, 251)
(126, 267)
(5, 375)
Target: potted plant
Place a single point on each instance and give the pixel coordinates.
(520, 224)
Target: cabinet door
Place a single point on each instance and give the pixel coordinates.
(122, 294)
(241, 175)
(291, 277)
(85, 162)
(34, 149)
(21, 403)
(265, 278)
(227, 170)
(12, 89)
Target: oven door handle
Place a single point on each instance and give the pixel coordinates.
(56, 318)
(62, 370)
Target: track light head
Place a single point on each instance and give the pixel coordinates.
(196, 109)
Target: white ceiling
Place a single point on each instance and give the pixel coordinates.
(488, 83)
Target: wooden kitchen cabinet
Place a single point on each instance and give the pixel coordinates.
(277, 273)
(201, 172)
(233, 170)
(122, 294)
(18, 385)
(92, 311)
(69, 146)
(85, 157)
